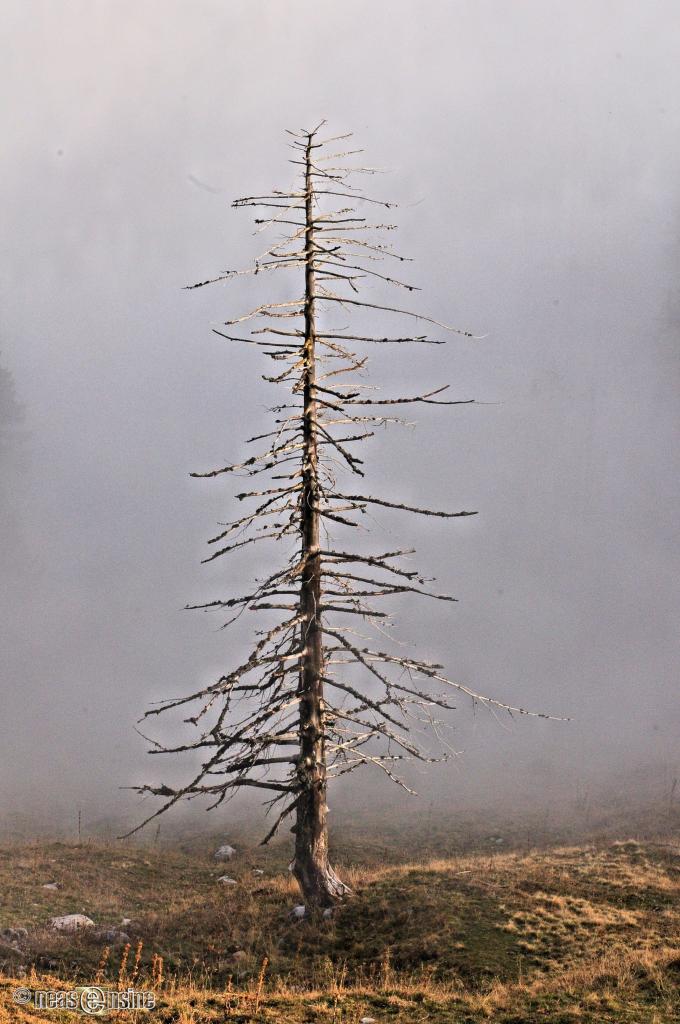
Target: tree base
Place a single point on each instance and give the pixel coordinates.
(320, 886)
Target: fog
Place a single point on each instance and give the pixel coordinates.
(534, 149)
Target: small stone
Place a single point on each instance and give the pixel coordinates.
(51, 885)
(367, 1020)
(225, 852)
(297, 913)
(113, 935)
(258, 871)
(328, 913)
(226, 880)
(47, 963)
(126, 921)
(71, 923)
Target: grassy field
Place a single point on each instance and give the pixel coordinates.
(586, 933)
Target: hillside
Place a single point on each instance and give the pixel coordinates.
(585, 933)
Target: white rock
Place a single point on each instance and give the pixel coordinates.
(71, 923)
(226, 880)
(367, 1020)
(225, 852)
(328, 912)
(298, 912)
(51, 885)
(258, 871)
(125, 921)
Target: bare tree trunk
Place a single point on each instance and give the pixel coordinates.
(320, 885)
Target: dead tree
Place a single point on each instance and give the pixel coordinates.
(316, 699)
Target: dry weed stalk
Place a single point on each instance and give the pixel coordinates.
(103, 961)
(260, 984)
(138, 957)
(157, 970)
(123, 964)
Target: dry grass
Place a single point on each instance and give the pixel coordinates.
(574, 934)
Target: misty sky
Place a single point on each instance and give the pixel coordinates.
(534, 148)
